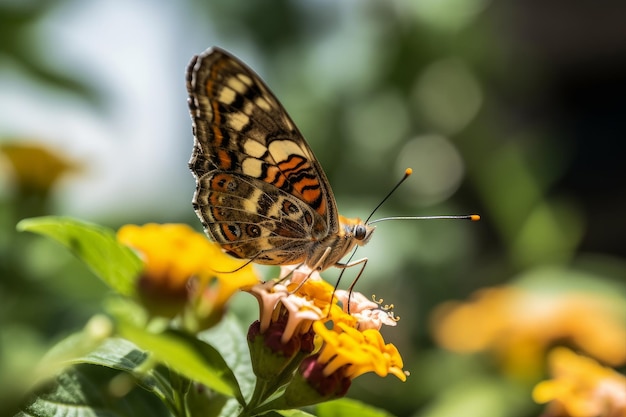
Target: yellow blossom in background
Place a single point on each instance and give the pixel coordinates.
(181, 267)
(520, 325)
(581, 388)
(34, 166)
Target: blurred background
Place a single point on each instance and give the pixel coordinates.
(514, 110)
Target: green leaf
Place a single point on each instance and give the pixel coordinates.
(188, 356)
(228, 338)
(349, 407)
(82, 346)
(115, 353)
(201, 403)
(78, 386)
(116, 264)
(87, 391)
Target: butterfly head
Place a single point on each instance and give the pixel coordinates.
(356, 229)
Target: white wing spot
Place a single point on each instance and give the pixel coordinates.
(281, 149)
(252, 167)
(237, 85)
(238, 121)
(263, 104)
(248, 108)
(227, 96)
(254, 148)
(245, 79)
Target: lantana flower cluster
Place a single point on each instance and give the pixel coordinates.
(581, 387)
(306, 324)
(518, 326)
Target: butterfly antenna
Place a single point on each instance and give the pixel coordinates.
(407, 174)
(471, 217)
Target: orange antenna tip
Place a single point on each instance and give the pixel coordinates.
(407, 173)
(474, 217)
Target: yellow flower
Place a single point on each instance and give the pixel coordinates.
(581, 388)
(345, 354)
(183, 268)
(35, 166)
(354, 352)
(519, 326)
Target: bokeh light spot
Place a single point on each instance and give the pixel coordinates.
(447, 95)
(437, 168)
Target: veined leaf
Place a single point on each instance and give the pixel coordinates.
(188, 356)
(97, 246)
(228, 338)
(87, 391)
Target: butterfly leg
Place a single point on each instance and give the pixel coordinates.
(290, 273)
(353, 263)
(314, 268)
(362, 261)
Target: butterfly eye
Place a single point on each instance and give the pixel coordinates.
(359, 232)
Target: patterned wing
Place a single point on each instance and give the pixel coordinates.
(260, 192)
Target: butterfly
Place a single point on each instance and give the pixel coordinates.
(260, 192)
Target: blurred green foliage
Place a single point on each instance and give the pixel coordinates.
(506, 108)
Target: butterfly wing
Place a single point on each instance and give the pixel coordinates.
(260, 191)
